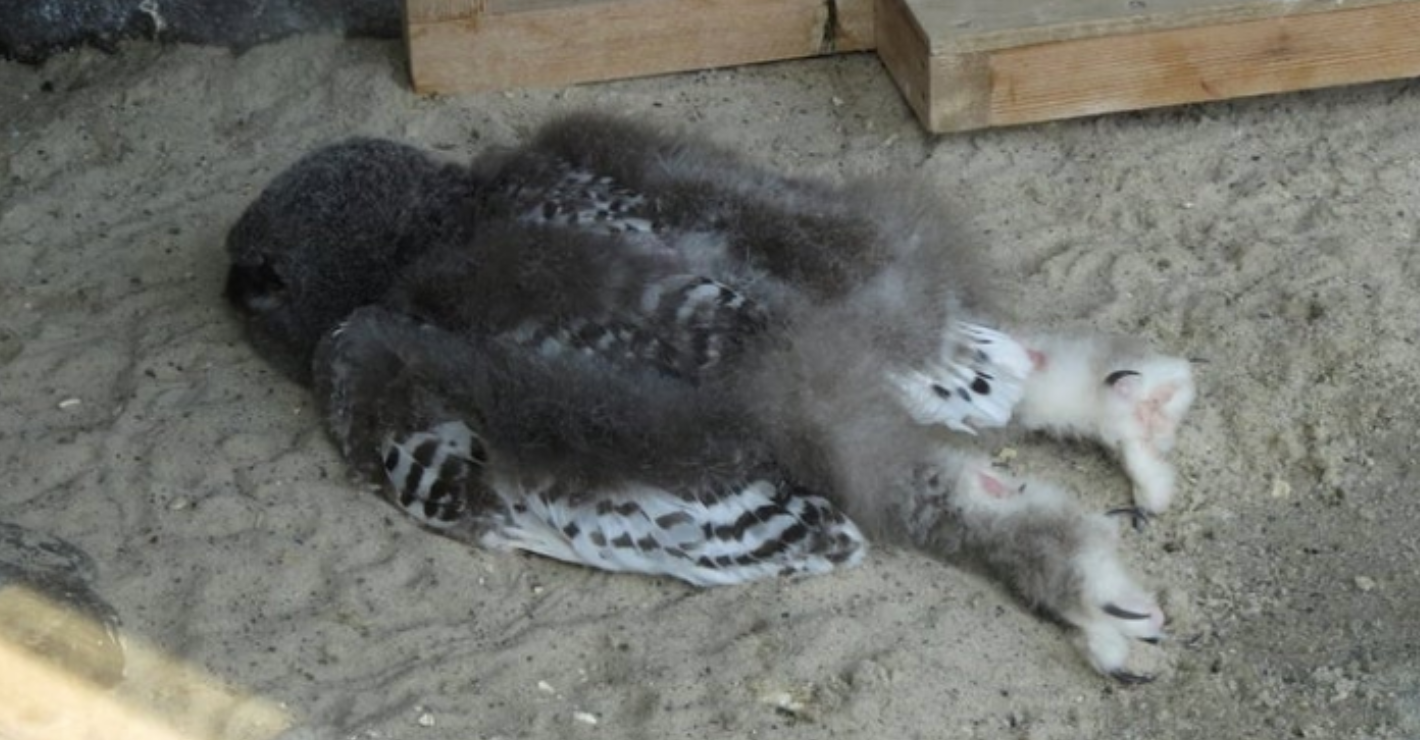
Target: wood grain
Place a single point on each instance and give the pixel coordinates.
(159, 699)
(960, 26)
(959, 77)
(904, 51)
(473, 45)
(1202, 64)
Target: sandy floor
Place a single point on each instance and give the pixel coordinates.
(1276, 238)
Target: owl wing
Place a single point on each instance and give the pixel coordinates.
(684, 326)
(576, 292)
(688, 199)
(714, 533)
(568, 457)
(770, 246)
(554, 191)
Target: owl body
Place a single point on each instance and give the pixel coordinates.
(636, 351)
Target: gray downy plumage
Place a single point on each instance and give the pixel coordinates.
(330, 234)
(635, 350)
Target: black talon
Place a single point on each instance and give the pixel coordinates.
(1130, 679)
(1118, 375)
(1138, 518)
(1115, 611)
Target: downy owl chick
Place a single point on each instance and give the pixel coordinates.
(635, 350)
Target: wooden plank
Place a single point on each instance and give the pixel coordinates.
(975, 72)
(1207, 63)
(963, 26)
(473, 45)
(159, 698)
(41, 702)
(906, 51)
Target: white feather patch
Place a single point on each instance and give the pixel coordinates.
(977, 380)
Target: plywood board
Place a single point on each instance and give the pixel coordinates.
(472, 45)
(966, 64)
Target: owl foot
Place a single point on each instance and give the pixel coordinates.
(1116, 392)
(1061, 559)
(976, 381)
(1144, 409)
(1112, 613)
(1138, 518)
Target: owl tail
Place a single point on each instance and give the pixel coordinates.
(977, 380)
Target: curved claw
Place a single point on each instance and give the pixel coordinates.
(1138, 517)
(1131, 679)
(1118, 375)
(1118, 613)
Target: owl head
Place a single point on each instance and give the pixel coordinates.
(332, 233)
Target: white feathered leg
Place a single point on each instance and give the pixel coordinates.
(1036, 538)
(1115, 391)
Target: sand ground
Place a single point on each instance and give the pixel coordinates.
(1275, 238)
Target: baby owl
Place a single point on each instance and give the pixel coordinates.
(634, 350)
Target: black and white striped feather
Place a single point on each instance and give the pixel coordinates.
(713, 508)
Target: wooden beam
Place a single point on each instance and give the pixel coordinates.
(55, 697)
(41, 702)
(473, 45)
(967, 64)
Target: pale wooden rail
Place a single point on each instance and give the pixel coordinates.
(473, 45)
(966, 64)
(961, 64)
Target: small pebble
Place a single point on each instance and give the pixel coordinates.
(585, 717)
(426, 720)
(545, 687)
(69, 403)
(1365, 583)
